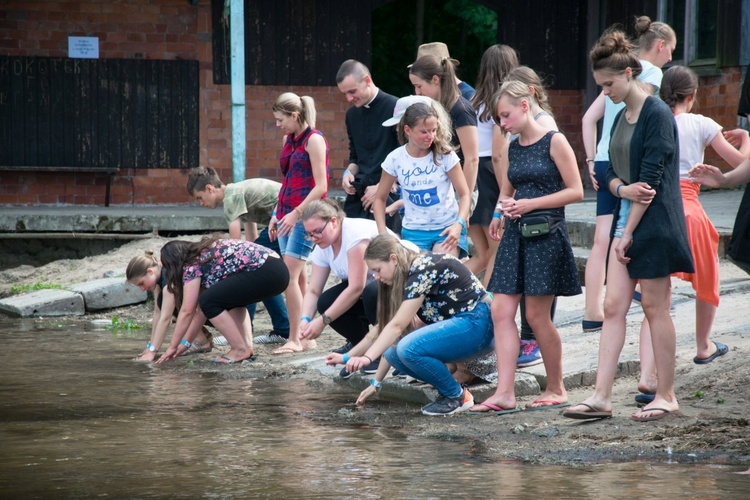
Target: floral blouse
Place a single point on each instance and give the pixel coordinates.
(225, 258)
(447, 285)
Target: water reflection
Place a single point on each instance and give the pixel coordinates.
(78, 419)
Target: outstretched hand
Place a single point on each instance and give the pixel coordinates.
(366, 393)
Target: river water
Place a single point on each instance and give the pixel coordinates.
(79, 420)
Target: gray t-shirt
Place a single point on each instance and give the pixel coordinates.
(619, 148)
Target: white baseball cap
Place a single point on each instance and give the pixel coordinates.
(401, 106)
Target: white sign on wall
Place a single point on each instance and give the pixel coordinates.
(83, 47)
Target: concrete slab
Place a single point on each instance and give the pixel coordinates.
(107, 293)
(44, 303)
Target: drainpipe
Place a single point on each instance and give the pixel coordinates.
(237, 52)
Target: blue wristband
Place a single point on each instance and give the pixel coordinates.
(150, 347)
(461, 221)
(186, 343)
(347, 171)
(497, 215)
(306, 318)
(346, 357)
(376, 384)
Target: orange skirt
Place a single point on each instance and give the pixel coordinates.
(704, 244)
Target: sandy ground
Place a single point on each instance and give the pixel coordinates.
(712, 425)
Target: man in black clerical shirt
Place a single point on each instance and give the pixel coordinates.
(369, 141)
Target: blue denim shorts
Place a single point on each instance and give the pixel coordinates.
(622, 217)
(425, 240)
(294, 244)
(605, 200)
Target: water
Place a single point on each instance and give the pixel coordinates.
(78, 419)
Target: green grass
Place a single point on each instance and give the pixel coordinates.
(123, 324)
(33, 287)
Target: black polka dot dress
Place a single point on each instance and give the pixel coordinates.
(544, 265)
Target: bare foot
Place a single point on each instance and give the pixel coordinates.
(146, 356)
(290, 347)
(549, 400)
(494, 404)
(309, 345)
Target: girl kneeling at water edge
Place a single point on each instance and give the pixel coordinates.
(232, 274)
(449, 303)
(145, 272)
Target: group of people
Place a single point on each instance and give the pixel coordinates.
(429, 171)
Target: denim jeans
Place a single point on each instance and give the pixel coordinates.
(423, 353)
(275, 305)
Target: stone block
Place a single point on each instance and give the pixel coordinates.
(44, 303)
(107, 293)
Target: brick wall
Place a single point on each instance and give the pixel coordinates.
(718, 98)
(170, 29)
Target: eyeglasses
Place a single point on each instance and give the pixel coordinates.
(315, 233)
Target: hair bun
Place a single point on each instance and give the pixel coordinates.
(642, 24)
(149, 253)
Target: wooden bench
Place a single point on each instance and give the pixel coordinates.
(108, 171)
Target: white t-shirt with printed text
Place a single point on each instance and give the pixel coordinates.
(428, 194)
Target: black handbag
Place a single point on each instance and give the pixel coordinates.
(539, 223)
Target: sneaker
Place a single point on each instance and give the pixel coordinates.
(529, 354)
(345, 374)
(371, 368)
(444, 405)
(270, 338)
(220, 340)
(343, 349)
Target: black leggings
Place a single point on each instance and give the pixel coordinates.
(245, 287)
(526, 332)
(354, 323)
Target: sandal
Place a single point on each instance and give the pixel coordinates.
(198, 348)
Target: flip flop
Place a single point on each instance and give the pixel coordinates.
(590, 414)
(664, 413)
(230, 361)
(644, 398)
(721, 349)
(546, 404)
(493, 408)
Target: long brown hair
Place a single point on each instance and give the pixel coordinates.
(497, 61)
(175, 255)
(390, 297)
(428, 66)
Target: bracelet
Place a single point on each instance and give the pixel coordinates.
(345, 357)
(368, 358)
(497, 215)
(376, 384)
(346, 171)
(273, 214)
(186, 343)
(306, 318)
(617, 190)
(298, 210)
(590, 160)
(461, 221)
(150, 347)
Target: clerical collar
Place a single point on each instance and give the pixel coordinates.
(373, 98)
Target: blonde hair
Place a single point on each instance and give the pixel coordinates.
(531, 78)
(138, 266)
(290, 103)
(419, 111)
(514, 89)
(323, 209)
(650, 32)
(390, 297)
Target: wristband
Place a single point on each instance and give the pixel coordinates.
(497, 215)
(273, 214)
(346, 171)
(461, 221)
(346, 357)
(617, 191)
(186, 343)
(376, 384)
(150, 347)
(306, 318)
